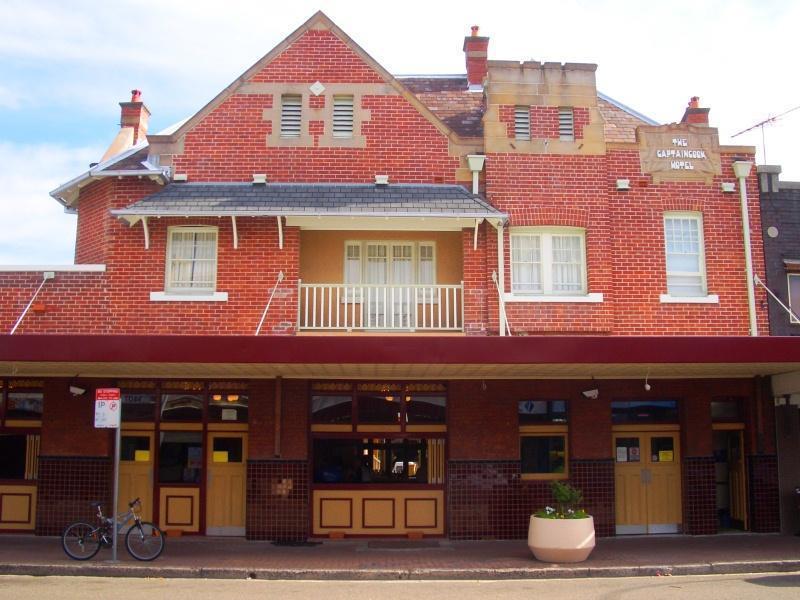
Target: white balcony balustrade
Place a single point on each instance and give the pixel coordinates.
(370, 307)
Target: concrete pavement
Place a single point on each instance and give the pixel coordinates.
(236, 558)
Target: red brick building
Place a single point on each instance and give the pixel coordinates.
(340, 302)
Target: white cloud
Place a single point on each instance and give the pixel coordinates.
(35, 228)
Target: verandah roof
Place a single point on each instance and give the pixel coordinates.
(410, 357)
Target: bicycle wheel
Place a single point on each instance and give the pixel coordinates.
(81, 541)
(144, 541)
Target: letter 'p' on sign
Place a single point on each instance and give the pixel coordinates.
(107, 408)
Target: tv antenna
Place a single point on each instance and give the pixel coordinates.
(761, 125)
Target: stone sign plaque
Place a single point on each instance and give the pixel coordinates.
(679, 152)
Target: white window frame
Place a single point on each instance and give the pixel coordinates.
(415, 246)
(704, 297)
(546, 235)
(170, 290)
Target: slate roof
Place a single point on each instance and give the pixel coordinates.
(223, 199)
(619, 124)
(447, 97)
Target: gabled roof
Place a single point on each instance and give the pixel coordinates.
(318, 19)
(311, 199)
(131, 162)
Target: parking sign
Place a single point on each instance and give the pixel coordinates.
(107, 408)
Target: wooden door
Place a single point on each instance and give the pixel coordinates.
(737, 481)
(226, 492)
(663, 483)
(136, 471)
(648, 482)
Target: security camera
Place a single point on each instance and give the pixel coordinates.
(76, 391)
(591, 394)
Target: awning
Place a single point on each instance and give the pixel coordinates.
(400, 357)
(304, 205)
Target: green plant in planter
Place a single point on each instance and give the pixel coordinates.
(567, 500)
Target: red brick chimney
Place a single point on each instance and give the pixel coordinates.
(135, 115)
(694, 115)
(475, 51)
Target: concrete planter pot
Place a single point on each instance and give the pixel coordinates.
(561, 540)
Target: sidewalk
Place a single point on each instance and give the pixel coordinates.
(236, 558)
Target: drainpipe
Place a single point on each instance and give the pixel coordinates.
(501, 278)
(741, 168)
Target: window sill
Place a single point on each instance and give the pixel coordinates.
(595, 297)
(710, 299)
(173, 297)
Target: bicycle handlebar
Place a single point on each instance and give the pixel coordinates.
(133, 503)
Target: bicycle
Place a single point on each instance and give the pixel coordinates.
(143, 540)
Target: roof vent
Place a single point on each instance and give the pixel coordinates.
(381, 180)
(259, 178)
(522, 122)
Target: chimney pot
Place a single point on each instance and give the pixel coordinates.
(694, 102)
(136, 95)
(475, 30)
(136, 115)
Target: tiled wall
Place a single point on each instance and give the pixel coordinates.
(764, 509)
(67, 485)
(277, 500)
(488, 499)
(699, 495)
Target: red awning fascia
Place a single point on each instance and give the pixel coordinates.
(398, 350)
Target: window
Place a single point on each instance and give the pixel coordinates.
(566, 123)
(378, 460)
(548, 261)
(522, 122)
(180, 457)
(343, 116)
(192, 259)
(291, 111)
(390, 263)
(644, 411)
(228, 407)
(138, 406)
(20, 454)
(182, 407)
(683, 239)
(793, 283)
(543, 438)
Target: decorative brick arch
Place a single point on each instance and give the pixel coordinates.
(549, 216)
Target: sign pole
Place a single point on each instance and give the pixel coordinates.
(117, 442)
(107, 415)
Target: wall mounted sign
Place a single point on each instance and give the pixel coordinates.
(679, 153)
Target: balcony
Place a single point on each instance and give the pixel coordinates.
(374, 307)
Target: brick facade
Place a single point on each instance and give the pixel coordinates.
(546, 182)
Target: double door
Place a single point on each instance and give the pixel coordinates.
(196, 486)
(647, 473)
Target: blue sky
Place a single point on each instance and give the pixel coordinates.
(65, 65)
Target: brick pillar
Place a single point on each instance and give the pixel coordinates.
(699, 486)
(474, 275)
(278, 477)
(75, 464)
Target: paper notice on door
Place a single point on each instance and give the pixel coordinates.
(220, 456)
(633, 454)
(622, 454)
(228, 414)
(141, 456)
(665, 456)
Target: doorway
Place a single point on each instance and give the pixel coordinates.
(227, 476)
(136, 462)
(647, 474)
(731, 479)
